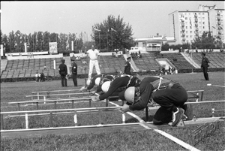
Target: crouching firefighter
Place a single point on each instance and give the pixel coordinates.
(170, 95)
(97, 80)
(117, 86)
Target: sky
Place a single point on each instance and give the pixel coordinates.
(147, 18)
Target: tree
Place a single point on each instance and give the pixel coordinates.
(12, 41)
(206, 41)
(112, 33)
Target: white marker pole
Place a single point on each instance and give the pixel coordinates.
(25, 47)
(54, 63)
(72, 45)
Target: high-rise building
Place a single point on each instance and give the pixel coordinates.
(184, 26)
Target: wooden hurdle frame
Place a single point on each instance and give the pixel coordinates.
(37, 102)
(75, 111)
(45, 96)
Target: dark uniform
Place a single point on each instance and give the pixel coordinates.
(120, 84)
(63, 73)
(127, 67)
(74, 73)
(168, 94)
(103, 77)
(205, 65)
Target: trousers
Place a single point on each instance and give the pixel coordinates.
(63, 81)
(168, 99)
(92, 64)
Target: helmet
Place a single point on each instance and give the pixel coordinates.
(97, 81)
(105, 86)
(129, 94)
(88, 81)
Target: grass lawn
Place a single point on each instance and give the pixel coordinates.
(117, 140)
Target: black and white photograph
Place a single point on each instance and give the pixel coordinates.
(112, 75)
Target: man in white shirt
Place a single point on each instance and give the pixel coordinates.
(93, 55)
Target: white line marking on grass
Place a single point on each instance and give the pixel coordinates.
(174, 139)
(219, 86)
(209, 84)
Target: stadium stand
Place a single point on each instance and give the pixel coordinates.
(178, 61)
(147, 62)
(216, 59)
(25, 69)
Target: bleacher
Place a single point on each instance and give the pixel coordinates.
(147, 62)
(110, 64)
(216, 59)
(25, 69)
(177, 60)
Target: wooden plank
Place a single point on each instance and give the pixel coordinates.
(61, 110)
(48, 100)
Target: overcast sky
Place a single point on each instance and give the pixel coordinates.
(146, 17)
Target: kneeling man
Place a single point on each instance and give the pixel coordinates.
(170, 95)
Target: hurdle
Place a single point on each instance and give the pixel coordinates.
(53, 92)
(74, 111)
(37, 102)
(213, 110)
(45, 96)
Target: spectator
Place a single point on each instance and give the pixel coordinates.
(42, 78)
(74, 72)
(127, 66)
(37, 76)
(205, 65)
(169, 70)
(63, 73)
(163, 70)
(93, 55)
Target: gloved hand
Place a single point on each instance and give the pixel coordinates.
(125, 108)
(95, 98)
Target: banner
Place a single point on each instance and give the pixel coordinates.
(53, 48)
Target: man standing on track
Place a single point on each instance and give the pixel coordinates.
(63, 73)
(205, 65)
(93, 55)
(127, 66)
(74, 72)
(170, 95)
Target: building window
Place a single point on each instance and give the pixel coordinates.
(185, 18)
(203, 27)
(203, 22)
(186, 27)
(191, 36)
(187, 36)
(190, 31)
(190, 27)
(186, 32)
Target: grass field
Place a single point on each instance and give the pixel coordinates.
(134, 140)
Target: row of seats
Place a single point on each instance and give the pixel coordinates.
(32, 63)
(216, 59)
(177, 60)
(27, 68)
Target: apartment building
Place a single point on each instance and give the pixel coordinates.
(184, 26)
